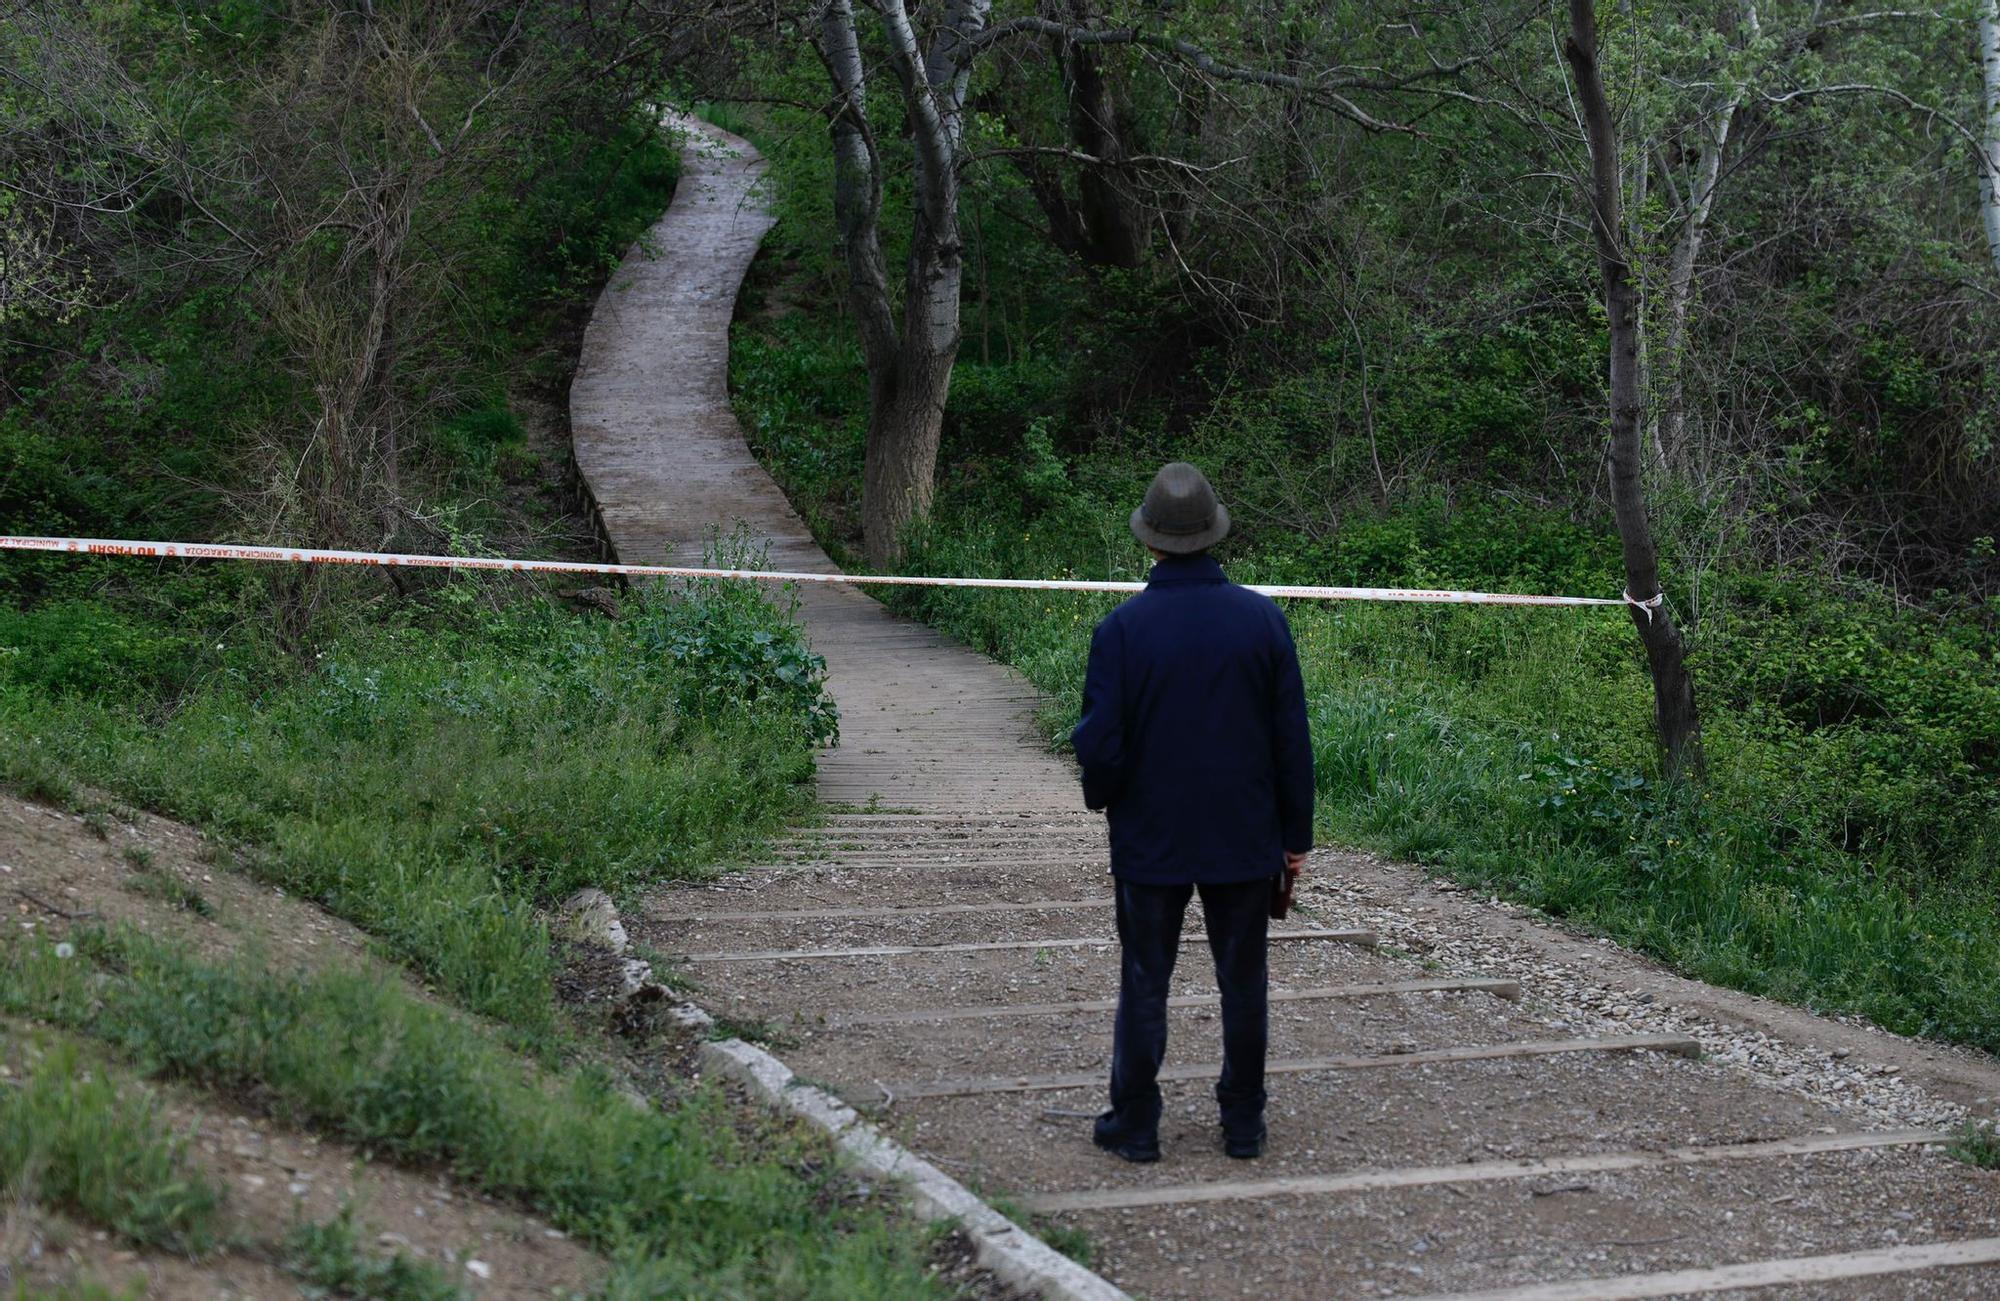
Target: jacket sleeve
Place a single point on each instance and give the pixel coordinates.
(1099, 736)
(1292, 745)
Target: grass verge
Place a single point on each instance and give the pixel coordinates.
(436, 784)
(75, 1138)
(685, 1201)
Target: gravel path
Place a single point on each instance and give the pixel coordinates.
(1422, 1177)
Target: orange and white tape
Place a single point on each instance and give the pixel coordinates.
(390, 559)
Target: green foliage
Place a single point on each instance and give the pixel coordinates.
(328, 1257)
(434, 782)
(86, 648)
(734, 653)
(1977, 1144)
(73, 1138)
(183, 400)
(691, 1205)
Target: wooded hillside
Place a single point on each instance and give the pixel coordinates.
(1355, 263)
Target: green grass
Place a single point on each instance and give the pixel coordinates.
(78, 1290)
(435, 784)
(76, 1138)
(1977, 1144)
(328, 1257)
(687, 1202)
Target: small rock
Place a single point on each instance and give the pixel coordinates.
(589, 917)
(479, 1269)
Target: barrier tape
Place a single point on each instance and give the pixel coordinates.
(389, 559)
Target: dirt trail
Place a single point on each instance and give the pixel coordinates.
(1443, 1140)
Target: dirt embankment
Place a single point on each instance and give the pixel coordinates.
(60, 871)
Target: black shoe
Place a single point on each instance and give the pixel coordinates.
(1244, 1146)
(1138, 1148)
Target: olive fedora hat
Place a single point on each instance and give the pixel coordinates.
(1180, 514)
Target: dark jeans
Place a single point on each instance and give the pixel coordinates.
(1149, 934)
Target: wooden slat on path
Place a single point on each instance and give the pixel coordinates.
(1677, 1045)
(911, 910)
(1507, 989)
(1473, 1172)
(1833, 1268)
(1364, 939)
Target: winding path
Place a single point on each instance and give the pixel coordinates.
(925, 725)
(1437, 1129)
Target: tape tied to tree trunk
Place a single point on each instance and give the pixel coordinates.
(389, 559)
(1650, 604)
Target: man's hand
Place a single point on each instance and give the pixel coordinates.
(1295, 864)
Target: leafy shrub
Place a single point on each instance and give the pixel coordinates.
(731, 650)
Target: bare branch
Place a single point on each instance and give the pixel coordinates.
(1888, 92)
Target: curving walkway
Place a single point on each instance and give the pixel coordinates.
(1453, 1127)
(925, 725)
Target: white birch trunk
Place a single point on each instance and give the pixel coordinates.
(1989, 136)
(1671, 426)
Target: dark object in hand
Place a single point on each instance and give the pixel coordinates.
(1282, 886)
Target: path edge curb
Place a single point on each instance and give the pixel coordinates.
(1014, 1255)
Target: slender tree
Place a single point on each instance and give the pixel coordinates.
(1678, 722)
(1989, 138)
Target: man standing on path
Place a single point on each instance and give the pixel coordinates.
(1193, 742)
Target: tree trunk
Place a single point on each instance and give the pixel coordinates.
(906, 413)
(900, 470)
(1989, 63)
(1114, 219)
(1670, 361)
(909, 369)
(1675, 716)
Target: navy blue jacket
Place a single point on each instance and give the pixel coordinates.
(1193, 735)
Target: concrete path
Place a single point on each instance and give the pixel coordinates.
(1450, 1127)
(924, 725)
